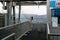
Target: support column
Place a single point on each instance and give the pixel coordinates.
(9, 15)
(19, 12)
(48, 12)
(13, 14)
(5, 14)
(48, 17)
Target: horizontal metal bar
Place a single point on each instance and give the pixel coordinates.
(54, 34)
(48, 28)
(20, 0)
(8, 36)
(10, 26)
(22, 34)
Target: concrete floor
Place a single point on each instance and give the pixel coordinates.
(35, 34)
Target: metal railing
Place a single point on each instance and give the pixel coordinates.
(35, 20)
(19, 29)
(9, 37)
(54, 36)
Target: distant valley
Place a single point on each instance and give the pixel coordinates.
(37, 18)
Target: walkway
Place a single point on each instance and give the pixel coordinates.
(36, 35)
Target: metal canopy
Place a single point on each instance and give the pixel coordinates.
(32, 3)
(22, 0)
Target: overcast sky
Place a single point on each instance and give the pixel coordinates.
(41, 10)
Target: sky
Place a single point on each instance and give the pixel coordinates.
(41, 10)
(1, 9)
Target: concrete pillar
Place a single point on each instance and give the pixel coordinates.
(3, 4)
(48, 15)
(9, 13)
(13, 14)
(48, 12)
(5, 19)
(19, 12)
(14, 18)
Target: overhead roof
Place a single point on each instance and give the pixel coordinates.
(22, 0)
(32, 3)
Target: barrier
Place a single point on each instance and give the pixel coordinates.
(18, 29)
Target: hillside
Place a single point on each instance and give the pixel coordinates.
(36, 18)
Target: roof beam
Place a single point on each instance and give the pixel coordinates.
(32, 3)
(21, 0)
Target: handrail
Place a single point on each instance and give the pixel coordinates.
(11, 25)
(22, 35)
(54, 34)
(8, 36)
(19, 29)
(48, 30)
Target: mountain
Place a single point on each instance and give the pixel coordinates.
(36, 18)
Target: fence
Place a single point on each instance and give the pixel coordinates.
(19, 29)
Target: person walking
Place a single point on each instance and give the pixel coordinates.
(30, 21)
